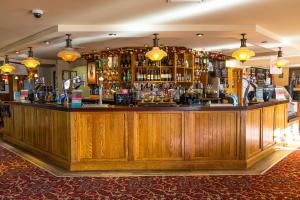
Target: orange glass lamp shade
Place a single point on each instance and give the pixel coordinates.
(69, 54)
(156, 54)
(280, 61)
(30, 62)
(6, 67)
(243, 53)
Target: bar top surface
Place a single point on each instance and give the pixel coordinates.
(112, 108)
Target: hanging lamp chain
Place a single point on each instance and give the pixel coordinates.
(30, 52)
(69, 41)
(6, 59)
(279, 52)
(243, 40)
(155, 40)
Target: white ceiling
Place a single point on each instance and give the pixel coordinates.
(135, 21)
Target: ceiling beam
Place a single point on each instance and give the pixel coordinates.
(29, 39)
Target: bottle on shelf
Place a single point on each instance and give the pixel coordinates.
(137, 75)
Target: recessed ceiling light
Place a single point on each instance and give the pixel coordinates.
(107, 48)
(199, 34)
(264, 41)
(112, 34)
(145, 45)
(47, 42)
(17, 52)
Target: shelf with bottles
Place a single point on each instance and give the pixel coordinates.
(184, 60)
(184, 67)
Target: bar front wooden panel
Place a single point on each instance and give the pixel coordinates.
(116, 140)
(253, 132)
(158, 136)
(100, 136)
(212, 135)
(280, 122)
(42, 131)
(268, 127)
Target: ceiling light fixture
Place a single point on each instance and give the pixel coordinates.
(47, 42)
(30, 62)
(17, 52)
(156, 54)
(68, 54)
(199, 34)
(243, 53)
(280, 61)
(6, 67)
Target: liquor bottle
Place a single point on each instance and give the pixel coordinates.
(148, 75)
(129, 76)
(163, 75)
(144, 74)
(137, 75)
(122, 61)
(124, 76)
(170, 75)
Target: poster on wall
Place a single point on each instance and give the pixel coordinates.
(4, 87)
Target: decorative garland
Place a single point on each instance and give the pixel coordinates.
(144, 50)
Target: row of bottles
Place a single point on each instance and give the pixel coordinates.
(167, 61)
(154, 75)
(181, 77)
(125, 60)
(183, 61)
(126, 76)
(140, 60)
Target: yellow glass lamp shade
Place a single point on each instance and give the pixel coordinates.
(280, 61)
(243, 54)
(156, 54)
(69, 55)
(7, 68)
(30, 62)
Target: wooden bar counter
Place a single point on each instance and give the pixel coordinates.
(147, 138)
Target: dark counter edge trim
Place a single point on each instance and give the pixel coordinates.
(127, 108)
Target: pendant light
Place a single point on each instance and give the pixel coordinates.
(30, 62)
(6, 67)
(280, 61)
(156, 54)
(243, 53)
(68, 54)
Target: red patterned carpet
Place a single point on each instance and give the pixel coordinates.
(19, 179)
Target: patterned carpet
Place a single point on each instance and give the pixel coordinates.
(19, 179)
